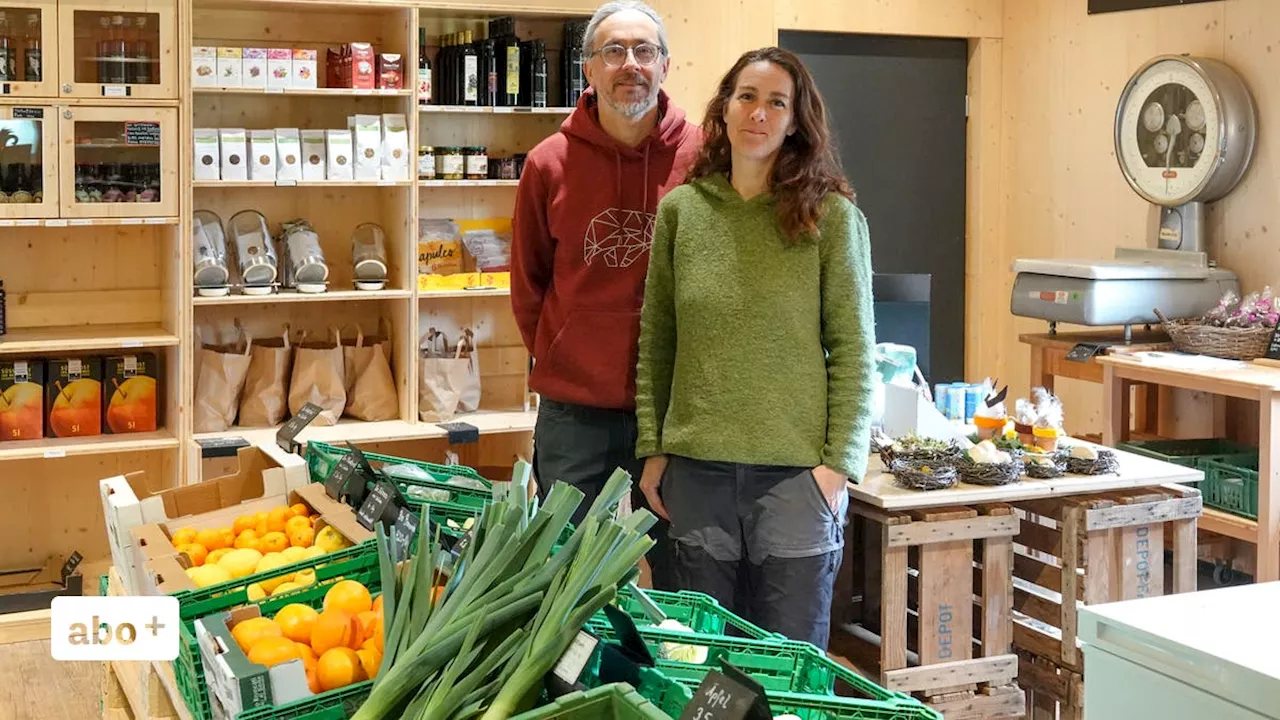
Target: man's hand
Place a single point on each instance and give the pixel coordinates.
(832, 484)
(651, 482)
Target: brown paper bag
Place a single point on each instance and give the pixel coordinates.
(319, 377)
(371, 388)
(220, 378)
(448, 383)
(266, 389)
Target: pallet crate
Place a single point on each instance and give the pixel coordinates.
(1086, 550)
(919, 621)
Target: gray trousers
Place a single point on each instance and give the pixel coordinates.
(761, 540)
(582, 446)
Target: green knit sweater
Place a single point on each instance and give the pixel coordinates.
(752, 350)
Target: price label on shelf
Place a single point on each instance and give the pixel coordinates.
(54, 454)
(286, 183)
(274, 90)
(131, 343)
(28, 223)
(155, 221)
(115, 91)
(130, 221)
(81, 222)
(55, 223)
(7, 223)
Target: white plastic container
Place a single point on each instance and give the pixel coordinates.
(369, 257)
(254, 251)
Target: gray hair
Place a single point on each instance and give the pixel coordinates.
(608, 9)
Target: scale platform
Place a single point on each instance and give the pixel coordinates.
(1125, 291)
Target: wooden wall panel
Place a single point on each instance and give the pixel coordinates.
(942, 18)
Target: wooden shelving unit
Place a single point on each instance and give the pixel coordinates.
(95, 278)
(468, 183)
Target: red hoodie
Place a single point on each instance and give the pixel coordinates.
(583, 225)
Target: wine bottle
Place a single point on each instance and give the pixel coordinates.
(489, 72)
(142, 54)
(539, 73)
(512, 72)
(470, 71)
(31, 51)
(424, 69)
(7, 51)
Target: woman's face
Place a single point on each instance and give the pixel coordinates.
(758, 116)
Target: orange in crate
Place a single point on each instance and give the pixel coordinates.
(296, 621)
(334, 629)
(273, 651)
(350, 596)
(339, 667)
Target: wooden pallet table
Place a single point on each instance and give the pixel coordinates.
(1087, 550)
(1247, 381)
(139, 690)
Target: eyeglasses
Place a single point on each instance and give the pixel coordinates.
(615, 55)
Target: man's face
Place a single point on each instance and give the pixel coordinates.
(626, 85)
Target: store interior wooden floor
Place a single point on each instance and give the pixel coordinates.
(34, 686)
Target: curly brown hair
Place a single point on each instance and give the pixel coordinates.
(807, 167)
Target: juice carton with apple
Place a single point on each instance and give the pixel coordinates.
(129, 393)
(21, 400)
(73, 397)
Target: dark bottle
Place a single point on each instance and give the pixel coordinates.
(489, 72)
(539, 73)
(1, 307)
(141, 54)
(446, 70)
(104, 49)
(526, 73)
(511, 73)
(117, 54)
(470, 71)
(8, 51)
(424, 69)
(31, 49)
(574, 82)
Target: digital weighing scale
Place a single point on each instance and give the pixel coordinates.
(1185, 131)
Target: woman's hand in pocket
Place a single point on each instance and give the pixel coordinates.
(651, 483)
(832, 484)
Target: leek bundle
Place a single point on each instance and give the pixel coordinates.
(474, 636)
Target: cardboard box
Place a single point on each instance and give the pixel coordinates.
(21, 400)
(338, 146)
(279, 67)
(288, 154)
(130, 393)
(235, 683)
(390, 72)
(255, 68)
(136, 499)
(73, 397)
(230, 67)
(206, 161)
(164, 569)
(262, 151)
(313, 155)
(304, 69)
(233, 144)
(366, 132)
(204, 67)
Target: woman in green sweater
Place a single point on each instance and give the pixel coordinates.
(754, 377)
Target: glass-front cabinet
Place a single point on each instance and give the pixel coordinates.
(118, 162)
(28, 34)
(28, 162)
(119, 49)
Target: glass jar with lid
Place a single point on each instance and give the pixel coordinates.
(426, 163)
(209, 243)
(449, 163)
(308, 271)
(255, 253)
(476, 162)
(369, 256)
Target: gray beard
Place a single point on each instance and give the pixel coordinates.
(634, 109)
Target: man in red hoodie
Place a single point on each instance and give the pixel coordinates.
(582, 229)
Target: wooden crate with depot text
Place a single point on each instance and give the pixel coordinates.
(1085, 550)
(922, 597)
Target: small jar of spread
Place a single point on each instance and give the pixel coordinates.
(476, 162)
(449, 163)
(426, 163)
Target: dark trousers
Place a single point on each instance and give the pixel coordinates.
(761, 540)
(582, 446)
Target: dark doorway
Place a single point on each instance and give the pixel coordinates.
(898, 106)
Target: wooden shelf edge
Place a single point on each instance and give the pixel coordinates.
(486, 292)
(14, 342)
(54, 448)
(302, 92)
(85, 222)
(1232, 526)
(223, 184)
(488, 422)
(486, 110)
(468, 183)
(295, 297)
(24, 626)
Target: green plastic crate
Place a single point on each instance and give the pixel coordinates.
(359, 562)
(810, 707)
(321, 457)
(617, 701)
(1191, 453)
(701, 613)
(1231, 486)
(337, 704)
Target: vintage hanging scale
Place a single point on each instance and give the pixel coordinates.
(1185, 130)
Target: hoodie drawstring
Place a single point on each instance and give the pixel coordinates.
(617, 157)
(645, 207)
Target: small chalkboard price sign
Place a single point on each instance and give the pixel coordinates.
(386, 505)
(345, 474)
(728, 694)
(287, 432)
(1272, 356)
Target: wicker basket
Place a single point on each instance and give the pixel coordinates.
(990, 473)
(1106, 464)
(1190, 336)
(1046, 472)
(911, 476)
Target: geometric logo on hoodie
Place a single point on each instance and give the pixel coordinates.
(618, 237)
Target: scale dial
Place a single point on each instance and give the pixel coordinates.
(1185, 130)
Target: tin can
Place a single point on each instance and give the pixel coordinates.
(955, 402)
(972, 401)
(940, 396)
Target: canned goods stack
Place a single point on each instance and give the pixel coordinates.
(958, 401)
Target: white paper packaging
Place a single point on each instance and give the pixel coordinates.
(233, 142)
(395, 147)
(366, 131)
(206, 160)
(288, 154)
(338, 144)
(314, 155)
(262, 151)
